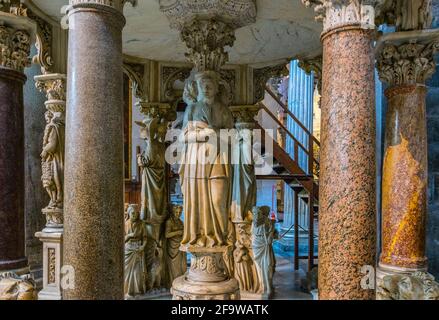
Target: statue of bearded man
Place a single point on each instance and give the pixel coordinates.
(205, 172)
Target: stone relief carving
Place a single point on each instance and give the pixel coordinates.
(14, 287)
(263, 234)
(136, 73)
(406, 15)
(176, 262)
(261, 76)
(416, 286)
(336, 13)
(237, 13)
(168, 77)
(135, 243)
(14, 48)
(409, 63)
(52, 155)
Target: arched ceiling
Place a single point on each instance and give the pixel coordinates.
(283, 29)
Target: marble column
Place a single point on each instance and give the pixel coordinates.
(404, 184)
(93, 176)
(347, 230)
(54, 86)
(16, 38)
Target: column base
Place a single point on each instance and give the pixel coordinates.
(52, 263)
(185, 289)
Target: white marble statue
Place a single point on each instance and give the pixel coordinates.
(206, 185)
(263, 234)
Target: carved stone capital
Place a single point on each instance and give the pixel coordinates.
(236, 13)
(16, 38)
(405, 58)
(245, 114)
(406, 15)
(116, 4)
(206, 41)
(159, 110)
(54, 86)
(339, 13)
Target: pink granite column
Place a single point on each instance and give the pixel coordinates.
(16, 33)
(93, 203)
(347, 229)
(405, 169)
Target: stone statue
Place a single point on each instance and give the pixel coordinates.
(206, 184)
(245, 269)
(52, 158)
(13, 287)
(416, 286)
(413, 14)
(244, 179)
(176, 262)
(263, 234)
(135, 242)
(152, 163)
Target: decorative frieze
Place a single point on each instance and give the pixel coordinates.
(14, 48)
(236, 13)
(157, 110)
(406, 61)
(339, 13)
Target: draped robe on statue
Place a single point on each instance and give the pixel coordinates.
(206, 185)
(135, 267)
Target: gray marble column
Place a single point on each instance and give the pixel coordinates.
(94, 204)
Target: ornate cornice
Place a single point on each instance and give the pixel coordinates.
(236, 13)
(116, 4)
(261, 76)
(407, 58)
(206, 41)
(14, 48)
(406, 15)
(54, 86)
(339, 13)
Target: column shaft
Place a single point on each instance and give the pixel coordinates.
(404, 204)
(12, 246)
(347, 239)
(94, 234)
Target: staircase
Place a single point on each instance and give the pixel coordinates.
(287, 168)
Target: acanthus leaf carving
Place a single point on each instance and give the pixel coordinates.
(14, 48)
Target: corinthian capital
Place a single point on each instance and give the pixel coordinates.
(404, 58)
(116, 4)
(406, 15)
(54, 86)
(338, 13)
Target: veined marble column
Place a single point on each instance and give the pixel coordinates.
(347, 239)
(52, 157)
(16, 38)
(404, 185)
(94, 178)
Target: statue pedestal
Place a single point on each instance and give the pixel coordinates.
(52, 262)
(207, 278)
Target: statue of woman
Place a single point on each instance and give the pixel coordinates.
(52, 158)
(244, 179)
(205, 172)
(135, 242)
(263, 234)
(152, 164)
(176, 262)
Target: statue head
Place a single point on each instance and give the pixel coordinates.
(48, 115)
(149, 128)
(133, 212)
(206, 87)
(177, 210)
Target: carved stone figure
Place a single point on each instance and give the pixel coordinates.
(13, 287)
(413, 14)
(263, 234)
(176, 262)
(135, 242)
(52, 158)
(416, 286)
(206, 184)
(152, 163)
